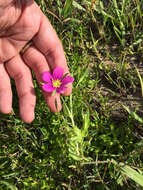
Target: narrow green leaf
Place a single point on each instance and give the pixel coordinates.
(8, 185)
(141, 80)
(53, 93)
(67, 7)
(133, 174)
(56, 104)
(64, 76)
(82, 78)
(78, 6)
(133, 114)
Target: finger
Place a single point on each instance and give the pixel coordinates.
(24, 85)
(37, 62)
(49, 44)
(5, 91)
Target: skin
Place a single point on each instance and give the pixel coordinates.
(22, 21)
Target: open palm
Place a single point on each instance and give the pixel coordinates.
(45, 54)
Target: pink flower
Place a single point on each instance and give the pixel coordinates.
(56, 82)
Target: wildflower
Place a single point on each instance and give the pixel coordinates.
(56, 82)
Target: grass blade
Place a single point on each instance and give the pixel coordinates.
(8, 185)
(141, 80)
(133, 114)
(133, 174)
(78, 6)
(67, 7)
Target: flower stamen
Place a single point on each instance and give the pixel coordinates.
(56, 83)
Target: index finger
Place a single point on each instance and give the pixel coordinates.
(49, 44)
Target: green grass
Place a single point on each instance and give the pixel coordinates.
(96, 141)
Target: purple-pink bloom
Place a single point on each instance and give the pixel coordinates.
(56, 81)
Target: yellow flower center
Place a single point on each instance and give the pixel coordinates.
(56, 83)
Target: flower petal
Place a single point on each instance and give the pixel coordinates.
(57, 73)
(48, 88)
(61, 89)
(67, 79)
(46, 76)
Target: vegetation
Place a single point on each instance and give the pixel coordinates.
(96, 141)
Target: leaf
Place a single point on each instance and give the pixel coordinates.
(133, 174)
(8, 185)
(64, 76)
(75, 157)
(141, 80)
(86, 124)
(54, 92)
(72, 20)
(56, 104)
(82, 78)
(67, 8)
(133, 114)
(78, 6)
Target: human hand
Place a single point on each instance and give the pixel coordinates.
(24, 22)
